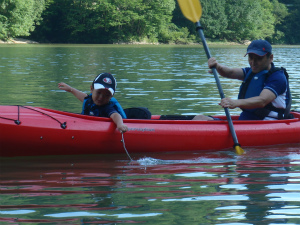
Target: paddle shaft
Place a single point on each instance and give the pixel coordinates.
(214, 70)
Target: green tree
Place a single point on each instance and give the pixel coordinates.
(185, 30)
(159, 17)
(291, 26)
(243, 20)
(19, 17)
(280, 12)
(73, 21)
(238, 20)
(106, 21)
(111, 21)
(267, 27)
(214, 17)
(248, 19)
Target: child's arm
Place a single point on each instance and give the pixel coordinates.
(116, 117)
(78, 94)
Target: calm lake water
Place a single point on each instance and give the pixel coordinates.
(259, 187)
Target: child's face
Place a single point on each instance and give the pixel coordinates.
(101, 96)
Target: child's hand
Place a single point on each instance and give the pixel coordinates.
(123, 128)
(116, 117)
(64, 86)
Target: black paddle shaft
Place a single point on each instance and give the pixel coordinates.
(199, 28)
(200, 31)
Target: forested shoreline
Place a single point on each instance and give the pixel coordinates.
(148, 21)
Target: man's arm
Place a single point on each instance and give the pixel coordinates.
(265, 97)
(233, 73)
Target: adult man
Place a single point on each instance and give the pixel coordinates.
(264, 93)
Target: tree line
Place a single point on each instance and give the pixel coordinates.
(114, 21)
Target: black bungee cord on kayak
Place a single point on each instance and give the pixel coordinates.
(125, 146)
(18, 122)
(62, 125)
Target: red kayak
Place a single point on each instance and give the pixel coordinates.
(28, 131)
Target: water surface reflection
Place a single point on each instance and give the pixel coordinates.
(261, 187)
(166, 79)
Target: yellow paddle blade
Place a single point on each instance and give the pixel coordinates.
(191, 9)
(238, 150)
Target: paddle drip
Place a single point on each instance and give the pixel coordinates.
(125, 147)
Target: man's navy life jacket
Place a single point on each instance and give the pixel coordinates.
(257, 87)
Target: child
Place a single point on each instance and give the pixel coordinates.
(100, 102)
